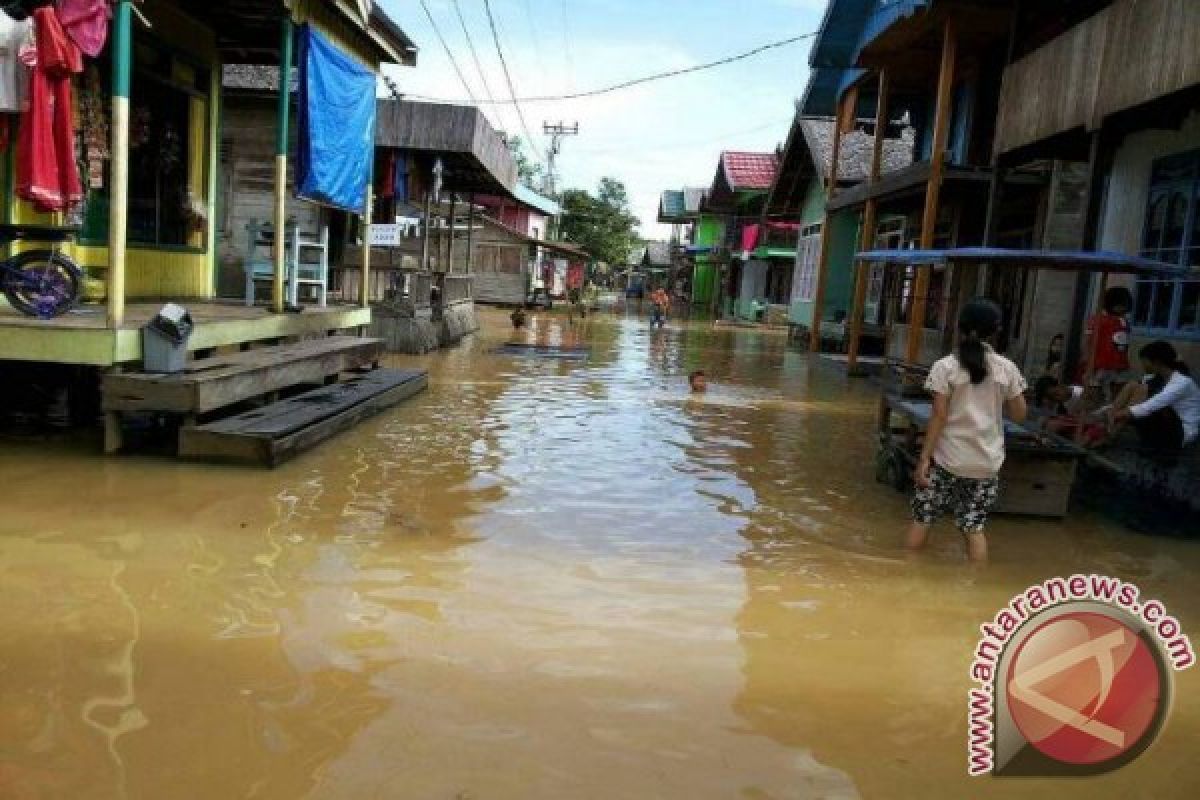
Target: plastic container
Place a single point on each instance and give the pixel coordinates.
(165, 339)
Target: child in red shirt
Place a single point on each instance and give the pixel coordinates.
(1108, 342)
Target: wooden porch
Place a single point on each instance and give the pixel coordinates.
(82, 336)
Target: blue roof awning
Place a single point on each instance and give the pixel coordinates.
(1064, 260)
(841, 29)
(825, 86)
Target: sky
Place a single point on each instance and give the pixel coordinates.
(662, 135)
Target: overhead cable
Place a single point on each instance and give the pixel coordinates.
(453, 62)
(658, 76)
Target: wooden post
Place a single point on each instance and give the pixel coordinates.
(937, 166)
(281, 153)
(450, 238)
(867, 241)
(1099, 153)
(118, 221)
(845, 108)
(426, 232)
(470, 230)
(1089, 358)
(368, 211)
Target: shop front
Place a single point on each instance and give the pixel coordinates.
(138, 183)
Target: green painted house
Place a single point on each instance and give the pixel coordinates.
(799, 195)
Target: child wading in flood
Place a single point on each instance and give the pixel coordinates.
(964, 444)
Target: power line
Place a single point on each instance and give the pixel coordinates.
(475, 57)
(450, 55)
(708, 140)
(658, 76)
(512, 91)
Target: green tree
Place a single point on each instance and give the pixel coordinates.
(601, 223)
(529, 172)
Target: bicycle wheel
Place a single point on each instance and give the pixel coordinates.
(42, 283)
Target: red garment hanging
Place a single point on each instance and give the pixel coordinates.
(47, 174)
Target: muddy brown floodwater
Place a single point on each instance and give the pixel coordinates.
(539, 579)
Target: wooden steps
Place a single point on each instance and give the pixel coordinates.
(274, 433)
(213, 383)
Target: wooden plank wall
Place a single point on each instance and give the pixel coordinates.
(1131, 53)
(248, 180)
(1053, 89)
(443, 128)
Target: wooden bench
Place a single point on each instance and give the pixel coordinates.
(271, 435)
(214, 383)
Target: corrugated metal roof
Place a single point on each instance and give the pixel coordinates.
(534, 200)
(693, 197)
(670, 205)
(749, 171)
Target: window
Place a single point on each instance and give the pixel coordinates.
(808, 256)
(168, 131)
(1170, 233)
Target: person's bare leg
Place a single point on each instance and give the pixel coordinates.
(977, 549)
(917, 536)
(1130, 395)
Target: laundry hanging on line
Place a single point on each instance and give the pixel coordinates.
(47, 172)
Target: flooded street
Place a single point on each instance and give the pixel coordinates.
(541, 578)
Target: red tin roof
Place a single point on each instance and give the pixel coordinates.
(749, 170)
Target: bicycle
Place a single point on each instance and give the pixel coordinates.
(39, 283)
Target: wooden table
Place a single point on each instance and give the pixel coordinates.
(1039, 468)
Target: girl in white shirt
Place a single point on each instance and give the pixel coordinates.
(1167, 420)
(964, 443)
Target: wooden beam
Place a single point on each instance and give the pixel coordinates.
(369, 210)
(470, 231)
(845, 109)
(118, 222)
(941, 133)
(450, 238)
(868, 227)
(425, 230)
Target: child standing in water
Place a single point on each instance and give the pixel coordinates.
(964, 443)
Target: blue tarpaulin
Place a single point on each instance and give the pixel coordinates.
(336, 116)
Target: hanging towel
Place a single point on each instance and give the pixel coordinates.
(86, 22)
(16, 41)
(47, 173)
(336, 115)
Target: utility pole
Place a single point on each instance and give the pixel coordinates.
(557, 132)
